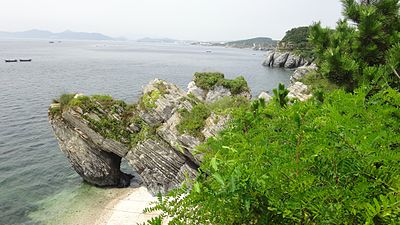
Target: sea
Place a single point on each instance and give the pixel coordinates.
(37, 183)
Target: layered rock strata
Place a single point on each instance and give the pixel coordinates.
(96, 133)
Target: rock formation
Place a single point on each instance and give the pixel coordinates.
(299, 91)
(300, 72)
(287, 60)
(96, 132)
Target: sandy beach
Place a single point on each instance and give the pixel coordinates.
(127, 208)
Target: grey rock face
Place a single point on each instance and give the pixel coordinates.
(283, 60)
(292, 61)
(265, 96)
(299, 91)
(280, 59)
(269, 59)
(214, 94)
(214, 124)
(196, 91)
(93, 160)
(163, 160)
(170, 99)
(301, 72)
(159, 165)
(217, 93)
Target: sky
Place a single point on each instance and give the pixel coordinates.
(206, 20)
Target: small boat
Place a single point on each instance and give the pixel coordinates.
(10, 60)
(25, 60)
(51, 42)
(208, 51)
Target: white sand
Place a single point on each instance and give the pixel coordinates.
(128, 209)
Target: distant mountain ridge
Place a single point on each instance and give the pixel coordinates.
(44, 34)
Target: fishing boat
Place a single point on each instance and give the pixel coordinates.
(25, 60)
(10, 60)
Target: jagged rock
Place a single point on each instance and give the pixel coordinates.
(283, 59)
(163, 159)
(265, 96)
(299, 91)
(280, 59)
(217, 93)
(170, 99)
(160, 166)
(214, 124)
(291, 61)
(196, 91)
(94, 160)
(214, 94)
(80, 125)
(301, 72)
(269, 58)
(170, 134)
(134, 128)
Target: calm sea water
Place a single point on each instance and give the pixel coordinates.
(33, 171)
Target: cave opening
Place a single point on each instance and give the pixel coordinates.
(125, 167)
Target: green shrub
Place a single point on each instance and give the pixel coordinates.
(315, 81)
(65, 99)
(226, 105)
(208, 81)
(237, 85)
(193, 122)
(148, 100)
(330, 162)
(280, 95)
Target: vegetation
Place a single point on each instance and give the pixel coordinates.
(258, 43)
(208, 81)
(335, 162)
(280, 95)
(148, 100)
(193, 122)
(365, 51)
(334, 159)
(296, 40)
(107, 116)
(317, 82)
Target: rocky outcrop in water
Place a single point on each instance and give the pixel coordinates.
(96, 132)
(287, 60)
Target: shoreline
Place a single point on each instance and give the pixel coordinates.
(127, 208)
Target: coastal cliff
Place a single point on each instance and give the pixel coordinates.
(284, 59)
(157, 136)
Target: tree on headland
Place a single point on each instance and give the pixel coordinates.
(364, 48)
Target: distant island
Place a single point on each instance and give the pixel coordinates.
(258, 43)
(158, 40)
(164, 40)
(44, 34)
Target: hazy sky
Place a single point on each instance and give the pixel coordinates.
(180, 19)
